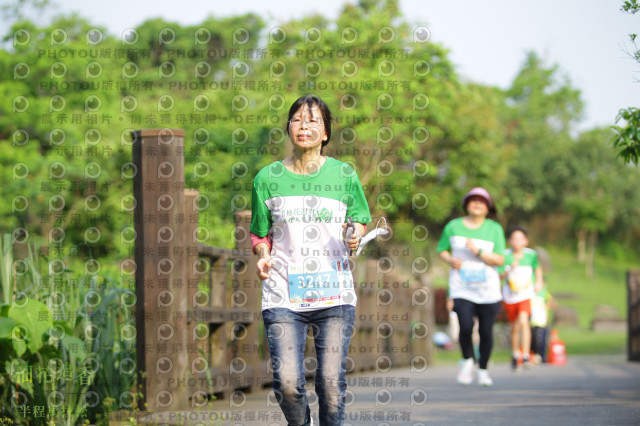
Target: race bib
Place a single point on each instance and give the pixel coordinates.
(306, 288)
(519, 278)
(473, 272)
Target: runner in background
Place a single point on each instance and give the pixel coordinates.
(523, 278)
(300, 206)
(473, 246)
(541, 304)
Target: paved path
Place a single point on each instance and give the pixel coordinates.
(587, 391)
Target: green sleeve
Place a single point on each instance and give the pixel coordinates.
(500, 242)
(261, 220)
(358, 207)
(535, 262)
(507, 261)
(445, 242)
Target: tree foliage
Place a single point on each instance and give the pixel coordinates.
(627, 135)
(417, 134)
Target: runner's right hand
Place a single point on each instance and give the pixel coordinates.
(264, 267)
(456, 263)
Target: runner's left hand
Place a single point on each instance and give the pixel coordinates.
(354, 242)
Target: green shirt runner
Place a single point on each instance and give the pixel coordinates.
(304, 214)
(475, 281)
(520, 282)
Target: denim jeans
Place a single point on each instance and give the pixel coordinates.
(286, 332)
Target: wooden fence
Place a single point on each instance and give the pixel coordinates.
(633, 315)
(198, 311)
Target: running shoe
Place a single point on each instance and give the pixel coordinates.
(465, 375)
(527, 363)
(483, 378)
(515, 365)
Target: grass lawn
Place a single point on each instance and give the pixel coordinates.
(568, 283)
(579, 341)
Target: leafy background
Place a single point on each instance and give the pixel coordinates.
(413, 129)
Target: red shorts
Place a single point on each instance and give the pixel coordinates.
(514, 309)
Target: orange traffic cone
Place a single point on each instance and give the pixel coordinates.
(557, 349)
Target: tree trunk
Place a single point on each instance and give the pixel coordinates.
(591, 257)
(582, 245)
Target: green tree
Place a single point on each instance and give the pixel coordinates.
(627, 136)
(600, 195)
(416, 158)
(540, 108)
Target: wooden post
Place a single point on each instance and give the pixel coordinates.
(363, 343)
(248, 369)
(161, 311)
(384, 327)
(395, 295)
(378, 357)
(220, 355)
(197, 333)
(633, 313)
(423, 318)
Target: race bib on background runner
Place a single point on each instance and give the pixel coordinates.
(519, 278)
(473, 272)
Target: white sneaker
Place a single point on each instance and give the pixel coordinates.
(484, 379)
(465, 375)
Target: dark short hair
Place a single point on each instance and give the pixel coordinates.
(493, 212)
(310, 101)
(513, 229)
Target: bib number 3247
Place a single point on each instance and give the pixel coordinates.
(325, 285)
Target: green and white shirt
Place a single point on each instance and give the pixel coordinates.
(475, 281)
(520, 282)
(304, 214)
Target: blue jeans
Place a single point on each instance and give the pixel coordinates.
(286, 332)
